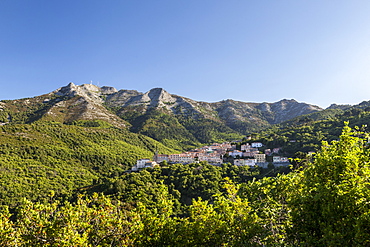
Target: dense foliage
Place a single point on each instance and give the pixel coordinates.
(44, 156)
(331, 206)
(305, 133)
(326, 202)
(184, 182)
(181, 132)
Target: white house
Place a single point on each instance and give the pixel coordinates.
(141, 163)
(278, 159)
(150, 164)
(245, 162)
(250, 162)
(256, 144)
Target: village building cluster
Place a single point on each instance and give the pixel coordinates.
(246, 154)
(250, 155)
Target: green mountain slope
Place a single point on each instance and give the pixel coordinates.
(49, 156)
(305, 133)
(180, 132)
(170, 118)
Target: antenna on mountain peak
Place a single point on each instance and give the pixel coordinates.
(91, 82)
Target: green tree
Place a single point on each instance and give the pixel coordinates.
(330, 205)
(8, 235)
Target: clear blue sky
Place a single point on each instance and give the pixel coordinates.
(314, 51)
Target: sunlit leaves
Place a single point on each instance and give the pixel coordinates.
(332, 197)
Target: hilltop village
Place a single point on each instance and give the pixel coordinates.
(216, 154)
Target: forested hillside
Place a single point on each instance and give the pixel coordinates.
(181, 132)
(305, 133)
(324, 203)
(49, 156)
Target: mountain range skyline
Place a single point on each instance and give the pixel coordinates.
(181, 95)
(250, 51)
(177, 121)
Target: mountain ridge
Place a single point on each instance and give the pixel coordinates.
(158, 97)
(156, 113)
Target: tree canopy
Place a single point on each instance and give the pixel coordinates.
(324, 202)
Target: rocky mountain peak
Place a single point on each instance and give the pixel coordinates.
(287, 101)
(90, 92)
(156, 97)
(266, 107)
(87, 105)
(284, 104)
(108, 90)
(231, 112)
(159, 96)
(68, 90)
